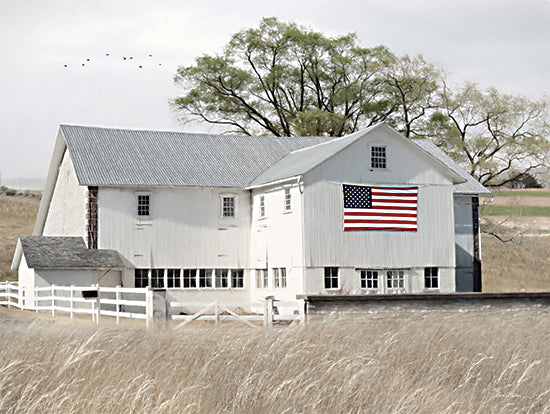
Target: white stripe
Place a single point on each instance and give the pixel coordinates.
(359, 225)
(381, 190)
(379, 218)
(377, 203)
(396, 198)
(381, 210)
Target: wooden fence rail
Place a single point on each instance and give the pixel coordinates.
(136, 303)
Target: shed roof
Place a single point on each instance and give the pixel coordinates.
(43, 252)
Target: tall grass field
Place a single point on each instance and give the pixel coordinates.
(398, 360)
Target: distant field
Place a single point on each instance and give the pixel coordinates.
(521, 193)
(405, 360)
(517, 210)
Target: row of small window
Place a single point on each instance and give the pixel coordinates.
(189, 278)
(279, 277)
(395, 279)
(228, 205)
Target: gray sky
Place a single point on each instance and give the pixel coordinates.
(495, 43)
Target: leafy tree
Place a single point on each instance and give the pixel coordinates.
(284, 79)
(497, 137)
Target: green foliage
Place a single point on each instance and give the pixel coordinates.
(284, 79)
(522, 211)
(516, 193)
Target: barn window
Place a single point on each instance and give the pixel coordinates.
(369, 279)
(141, 278)
(431, 278)
(205, 278)
(157, 278)
(288, 200)
(173, 278)
(395, 279)
(261, 278)
(262, 206)
(279, 277)
(228, 205)
(143, 205)
(378, 157)
(275, 277)
(189, 278)
(237, 278)
(222, 278)
(331, 278)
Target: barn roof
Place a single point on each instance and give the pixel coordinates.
(122, 157)
(64, 253)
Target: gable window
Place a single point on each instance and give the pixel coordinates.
(262, 206)
(143, 205)
(228, 206)
(331, 278)
(431, 278)
(173, 278)
(141, 278)
(288, 200)
(369, 279)
(378, 157)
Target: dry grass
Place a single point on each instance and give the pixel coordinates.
(406, 360)
(17, 215)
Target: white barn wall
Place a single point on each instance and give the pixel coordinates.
(328, 245)
(277, 240)
(67, 212)
(65, 277)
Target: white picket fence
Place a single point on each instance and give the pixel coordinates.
(132, 303)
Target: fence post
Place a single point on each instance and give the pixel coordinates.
(93, 310)
(8, 293)
(72, 301)
(35, 299)
(303, 311)
(216, 312)
(117, 304)
(98, 300)
(268, 311)
(155, 300)
(53, 300)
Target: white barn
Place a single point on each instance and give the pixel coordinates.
(237, 218)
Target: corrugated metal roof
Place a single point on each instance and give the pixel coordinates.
(67, 253)
(134, 158)
(304, 160)
(471, 186)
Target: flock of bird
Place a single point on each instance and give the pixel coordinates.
(126, 58)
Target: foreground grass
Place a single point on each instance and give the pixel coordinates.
(484, 360)
(17, 215)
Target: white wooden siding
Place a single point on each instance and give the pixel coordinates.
(67, 213)
(184, 229)
(26, 280)
(328, 245)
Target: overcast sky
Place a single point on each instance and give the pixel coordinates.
(495, 43)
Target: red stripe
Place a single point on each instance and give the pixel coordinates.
(391, 200)
(378, 214)
(394, 188)
(393, 208)
(412, 223)
(382, 193)
(377, 228)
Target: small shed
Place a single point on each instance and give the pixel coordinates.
(64, 261)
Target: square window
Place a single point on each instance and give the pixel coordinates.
(222, 278)
(283, 277)
(331, 278)
(369, 279)
(431, 278)
(173, 278)
(265, 278)
(228, 206)
(141, 278)
(143, 205)
(157, 278)
(378, 157)
(288, 200)
(261, 278)
(237, 278)
(189, 278)
(396, 279)
(205, 278)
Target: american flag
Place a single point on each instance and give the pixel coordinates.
(380, 208)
